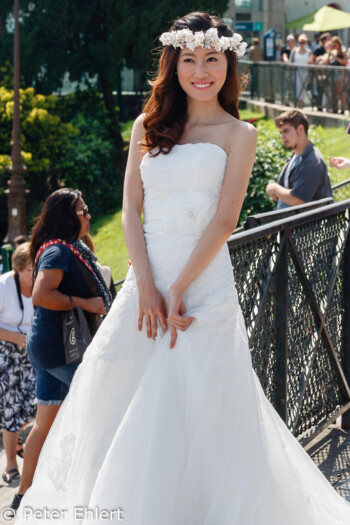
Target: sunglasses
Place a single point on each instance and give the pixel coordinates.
(84, 211)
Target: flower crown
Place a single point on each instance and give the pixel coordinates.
(210, 39)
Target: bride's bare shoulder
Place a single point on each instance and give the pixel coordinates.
(242, 135)
(138, 129)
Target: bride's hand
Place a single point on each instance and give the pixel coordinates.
(151, 307)
(176, 318)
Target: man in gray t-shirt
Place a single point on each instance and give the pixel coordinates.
(304, 178)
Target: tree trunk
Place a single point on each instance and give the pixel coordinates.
(109, 102)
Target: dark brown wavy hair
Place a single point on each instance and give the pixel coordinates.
(58, 219)
(165, 107)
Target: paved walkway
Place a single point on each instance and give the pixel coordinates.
(330, 451)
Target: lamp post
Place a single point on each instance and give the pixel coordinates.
(16, 192)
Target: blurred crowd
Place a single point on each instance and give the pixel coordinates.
(329, 88)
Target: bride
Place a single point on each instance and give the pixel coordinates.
(165, 422)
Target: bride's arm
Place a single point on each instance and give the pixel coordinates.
(239, 165)
(151, 303)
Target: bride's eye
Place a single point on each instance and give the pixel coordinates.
(212, 59)
(188, 60)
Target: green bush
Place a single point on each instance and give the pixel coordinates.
(65, 142)
(89, 162)
(45, 139)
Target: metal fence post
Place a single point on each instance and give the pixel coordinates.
(346, 324)
(6, 253)
(281, 328)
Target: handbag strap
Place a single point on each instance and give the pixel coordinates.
(18, 289)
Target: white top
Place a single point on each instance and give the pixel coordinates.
(10, 310)
(301, 58)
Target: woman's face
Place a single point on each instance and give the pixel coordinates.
(335, 46)
(26, 275)
(84, 217)
(201, 72)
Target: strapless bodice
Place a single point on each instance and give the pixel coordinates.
(181, 193)
(182, 188)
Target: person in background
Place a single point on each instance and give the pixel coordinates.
(319, 57)
(255, 52)
(320, 49)
(288, 48)
(301, 56)
(337, 57)
(304, 178)
(20, 239)
(316, 41)
(106, 272)
(17, 377)
(61, 264)
(339, 162)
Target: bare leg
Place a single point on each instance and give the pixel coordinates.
(45, 416)
(10, 445)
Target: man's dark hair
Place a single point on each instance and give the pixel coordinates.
(294, 117)
(324, 36)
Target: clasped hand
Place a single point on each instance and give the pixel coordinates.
(152, 307)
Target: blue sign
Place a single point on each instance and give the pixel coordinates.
(244, 26)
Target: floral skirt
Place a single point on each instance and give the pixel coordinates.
(17, 387)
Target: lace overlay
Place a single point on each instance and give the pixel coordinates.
(58, 470)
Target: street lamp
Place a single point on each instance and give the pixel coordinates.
(16, 192)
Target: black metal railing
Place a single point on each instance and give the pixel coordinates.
(316, 87)
(291, 279)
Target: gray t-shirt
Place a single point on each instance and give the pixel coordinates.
(306, 175)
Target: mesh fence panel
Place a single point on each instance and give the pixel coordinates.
(253, 265)
(341, 193)
(313, 388)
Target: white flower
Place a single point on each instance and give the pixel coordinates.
(241, 49)
(217, 45)
(172, 38)
(226, 43)
(199, 38)
(190, 40)
(209, 39)
(164, 39)
(237, 38)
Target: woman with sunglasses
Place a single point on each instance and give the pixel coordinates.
(301, 56)
(17, 377)
(62, 266)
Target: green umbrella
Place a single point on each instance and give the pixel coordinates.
(325, 19)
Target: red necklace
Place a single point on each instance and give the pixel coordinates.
(72, 248)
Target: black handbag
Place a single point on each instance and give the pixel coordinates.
(76, 334)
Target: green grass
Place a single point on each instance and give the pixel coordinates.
(109, 243)
(334, 142)
(126, 129)
(107, 231)
(246, 114)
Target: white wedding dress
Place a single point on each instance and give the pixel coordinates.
(183, 436)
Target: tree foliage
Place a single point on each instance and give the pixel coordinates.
(65, 141)
(90, 39)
